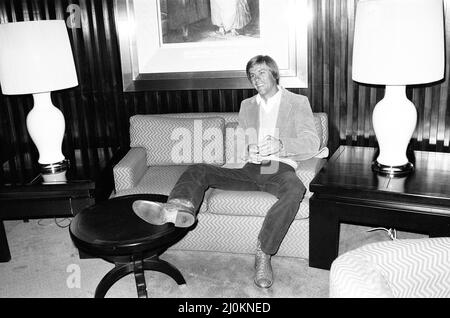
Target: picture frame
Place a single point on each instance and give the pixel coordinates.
(150, 64)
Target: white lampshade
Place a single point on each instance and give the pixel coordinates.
(398, 42)
(35, 57)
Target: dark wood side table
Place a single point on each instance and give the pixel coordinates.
(36, 200)
(347, 190)
(112, 231)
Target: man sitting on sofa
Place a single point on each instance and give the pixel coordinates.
(284, 132)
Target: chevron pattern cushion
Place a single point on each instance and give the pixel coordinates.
(320, 120)
(418, 268)
(250, 203)
(179, 140)
(238, 234)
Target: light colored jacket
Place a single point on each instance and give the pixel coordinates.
(295, 124)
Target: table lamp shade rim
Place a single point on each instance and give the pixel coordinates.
(399, 81)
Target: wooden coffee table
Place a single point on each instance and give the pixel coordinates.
(347, 190)
(110, 230)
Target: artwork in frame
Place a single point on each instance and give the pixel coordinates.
(205, 44)
(208, 20)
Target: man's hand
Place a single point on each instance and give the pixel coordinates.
(253, 154)
(270, 146)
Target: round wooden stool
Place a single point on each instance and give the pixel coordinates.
(110, 230)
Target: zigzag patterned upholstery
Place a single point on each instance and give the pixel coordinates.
(410, 268)
(228, 221)
(320, 120)
(222, 233)
(160, 135)
(128, 173)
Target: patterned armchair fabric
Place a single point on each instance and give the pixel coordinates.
(229, 221)
(129, 171)
(410, 268)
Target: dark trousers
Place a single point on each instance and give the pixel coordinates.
(278, 179)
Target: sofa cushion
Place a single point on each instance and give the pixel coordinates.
(175, 141)
(249, 203)
(402, 268)
(222, 233)
(162, 179)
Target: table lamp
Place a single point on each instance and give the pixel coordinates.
(36, 58)
(397, 43)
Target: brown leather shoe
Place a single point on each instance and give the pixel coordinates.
(263, 268)
(158, 213)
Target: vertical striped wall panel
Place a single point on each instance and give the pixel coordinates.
(97, 111)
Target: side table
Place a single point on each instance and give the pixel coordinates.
(347, 190)
(112, 231)
(36, 200)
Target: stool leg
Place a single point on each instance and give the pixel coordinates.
(156, 264)
(139, 277)
(111, 278)
(5, 254)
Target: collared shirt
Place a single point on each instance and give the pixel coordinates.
(268, 116)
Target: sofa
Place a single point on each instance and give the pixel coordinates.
(406, 268)
(228, 221)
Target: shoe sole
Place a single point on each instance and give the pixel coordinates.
(155, 213)
(262, 285)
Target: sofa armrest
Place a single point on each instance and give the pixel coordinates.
(130, 169)
(308, 169)
(353, 276)
(407, 268)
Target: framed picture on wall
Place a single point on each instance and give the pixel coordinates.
(205, 44)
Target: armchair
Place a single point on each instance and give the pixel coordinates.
(409, 268)
(228, 221)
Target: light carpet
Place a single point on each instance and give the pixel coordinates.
(45, 264)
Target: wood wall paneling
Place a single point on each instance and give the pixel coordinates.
(97, 111)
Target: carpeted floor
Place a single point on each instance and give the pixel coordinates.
(45, 264)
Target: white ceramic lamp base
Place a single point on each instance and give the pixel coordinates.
(394, 120)
(46, 127)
